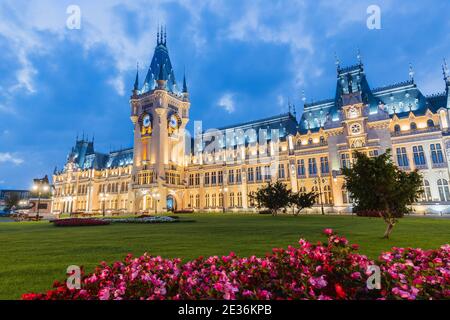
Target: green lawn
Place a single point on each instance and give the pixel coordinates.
(33, 255)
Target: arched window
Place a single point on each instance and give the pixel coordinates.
(231, 199)
(397, 128)
(207, 204)
(430, 123)
(413, 126)
(197, 201)
(444, 192)
(426, 196)
(310, 141)
(239, 199)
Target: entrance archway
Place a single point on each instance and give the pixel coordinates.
(171, 203)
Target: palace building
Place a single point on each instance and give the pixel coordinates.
(216, 170)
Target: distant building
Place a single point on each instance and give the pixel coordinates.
(21, 194)
(217, 170)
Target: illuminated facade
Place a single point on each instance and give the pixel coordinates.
(216, 170)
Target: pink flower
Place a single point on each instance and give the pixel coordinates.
(328, 232)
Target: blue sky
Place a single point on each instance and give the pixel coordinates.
(244, 59)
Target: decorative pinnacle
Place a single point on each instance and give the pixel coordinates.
(411, 72)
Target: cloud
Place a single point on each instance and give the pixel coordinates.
(6, 109)
(6, 157)
(118, 84)
(227, 102)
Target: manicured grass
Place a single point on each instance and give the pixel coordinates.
(34, 254)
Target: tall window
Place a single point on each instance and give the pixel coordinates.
(345, 160)
(231, 176)
(444, 192)
(312, 167)
(214, 200)
(220, 177)
(197, 201)
(239, 199)
(191, 201)
(267, 175)
(430, 123)
(301, 168)
(426, 196)
(258, 174)
(324, 167)
(250, 175)
(402, 157)
(238, 176)
(397, 128)
(281, 173)
(197, 179)
(207, 204)
(214, 178)
(231, 199)
(413, 126)
(419, 156)
(328, 198)
(436, 153)
(221, 200)
(207, 179)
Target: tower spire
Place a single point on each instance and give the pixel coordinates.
(338, 63)
(136, 82)
(157, 36)
(358, 56)
(411, 72)
(446, 72)
(185, 88)
(165, 35)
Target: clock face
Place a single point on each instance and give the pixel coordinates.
(146, 122)
(355, 128)
(353, 112)
(173, 122)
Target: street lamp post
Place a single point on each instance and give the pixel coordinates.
(39, 188)
(103, 198)
(223, 191)
(318, 181)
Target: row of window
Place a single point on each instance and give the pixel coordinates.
(216, 200)
(413, 126)
(312, 167)
(437, 156)
(113, 188)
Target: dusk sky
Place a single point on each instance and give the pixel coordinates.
(243, 59)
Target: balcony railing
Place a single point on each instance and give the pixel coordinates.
(415, 131)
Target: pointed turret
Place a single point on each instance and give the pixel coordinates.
(136, 82)
(161, 66)
(411, 72)
(446, 73)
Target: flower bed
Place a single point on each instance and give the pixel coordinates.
(310, 271)
(144, 219)
(75, 222)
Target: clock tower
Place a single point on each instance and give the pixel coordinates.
(159, 113)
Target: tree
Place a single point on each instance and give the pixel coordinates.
(12, 200)
(377, 184)
(300, 201)
(272, 197)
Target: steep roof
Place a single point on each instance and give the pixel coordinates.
(160, 67)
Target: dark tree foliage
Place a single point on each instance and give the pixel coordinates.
(300, 201)
(376, 183)
(273, 197)
(276, 196)
(11, 201)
